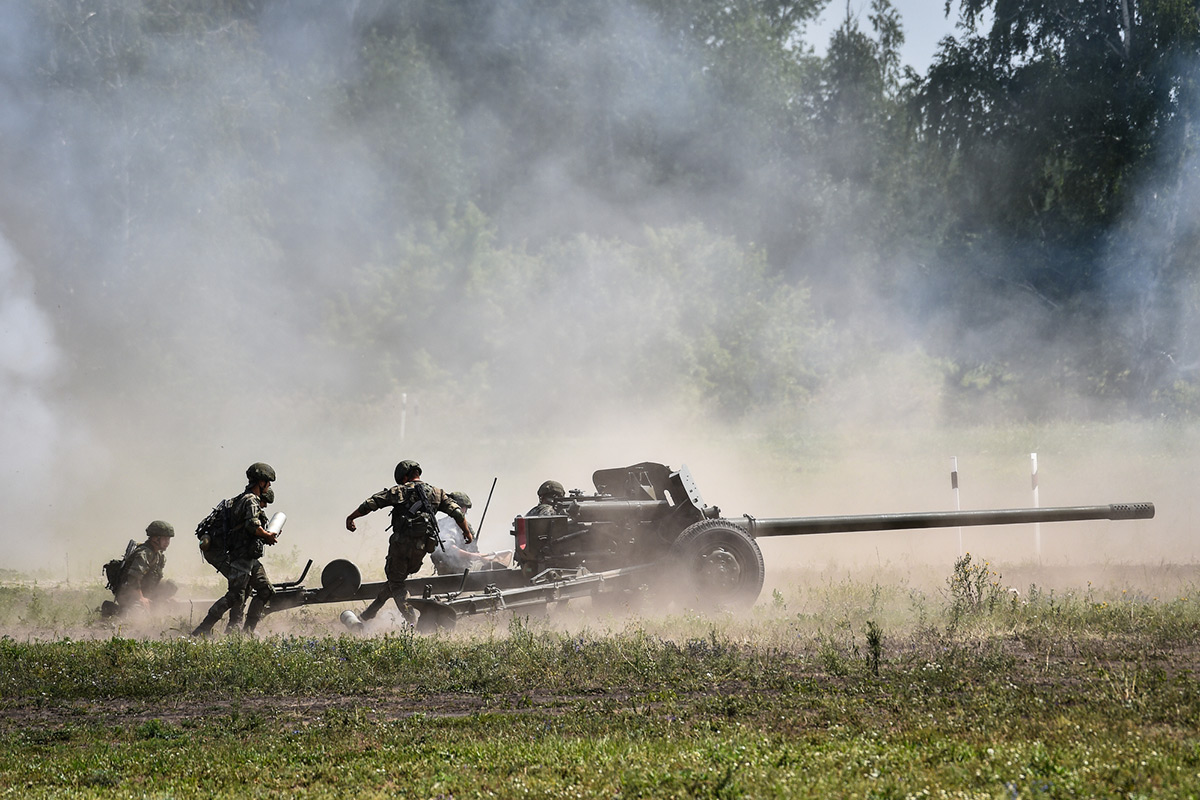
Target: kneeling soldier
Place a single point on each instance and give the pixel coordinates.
(140, 581)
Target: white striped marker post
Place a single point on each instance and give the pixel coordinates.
(1037, 526)
(957, 504)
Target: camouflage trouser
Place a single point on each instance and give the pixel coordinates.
(219, 560)
(245, 574)
(156, 592)
(405, 556)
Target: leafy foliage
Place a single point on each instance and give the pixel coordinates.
(1055, 129)
(686, 315)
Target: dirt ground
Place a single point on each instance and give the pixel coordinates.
(77, 618)
(1052, 672)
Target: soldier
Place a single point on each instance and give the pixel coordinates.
(141, 578)
(454, 554)
(414, 531)
(237, 614)
(550, 493)
(247, 535)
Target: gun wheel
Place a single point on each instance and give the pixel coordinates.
(720, 564)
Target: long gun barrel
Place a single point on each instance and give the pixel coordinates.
(803, 526)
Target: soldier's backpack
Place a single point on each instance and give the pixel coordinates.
(419, 517)
(115, 568)
(216, 528)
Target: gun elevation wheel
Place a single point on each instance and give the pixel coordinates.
(720, 565)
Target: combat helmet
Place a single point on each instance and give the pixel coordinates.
(552, 489)
(461, 498)
(160, 528)
(258, 471)
(406, 468)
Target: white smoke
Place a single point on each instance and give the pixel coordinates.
(35, 434)
(195, 345)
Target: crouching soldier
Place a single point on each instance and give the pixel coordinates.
(453, 553)
(138, 583)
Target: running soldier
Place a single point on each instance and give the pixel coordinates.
(247, 535)
(414, 531)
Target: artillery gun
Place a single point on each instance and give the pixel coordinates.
(645, 526)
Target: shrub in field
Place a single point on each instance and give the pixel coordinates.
(974, 589)
(37, 606)
(874, 647)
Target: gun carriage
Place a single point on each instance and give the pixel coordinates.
(645, 527)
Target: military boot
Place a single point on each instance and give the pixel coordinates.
(254, 614)
(204, 629)
(370, 611)
(236, 616)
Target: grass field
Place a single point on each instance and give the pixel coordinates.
(863, 686)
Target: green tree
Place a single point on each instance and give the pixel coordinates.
(1048, 129)
(1045, 120)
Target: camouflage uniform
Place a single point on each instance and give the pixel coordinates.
(413, 507)
(217, 555)
(245, 570)
(142, 576)
(549, 493)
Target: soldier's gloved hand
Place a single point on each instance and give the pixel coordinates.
(350, 526)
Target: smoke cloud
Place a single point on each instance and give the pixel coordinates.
(36, 437)
(221, 246)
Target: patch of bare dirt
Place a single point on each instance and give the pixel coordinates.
(382, 705)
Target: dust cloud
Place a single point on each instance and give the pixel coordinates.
(180, 246)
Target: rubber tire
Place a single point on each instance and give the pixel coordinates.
(719, 565)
